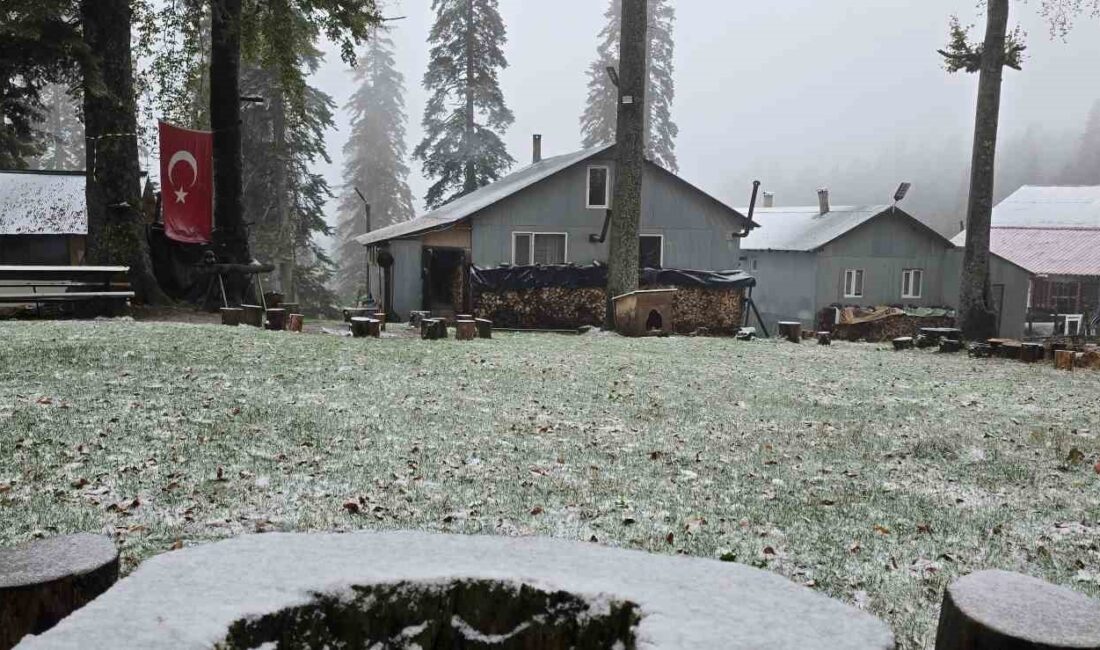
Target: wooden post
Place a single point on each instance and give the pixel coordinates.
(465, 330)
(276, 319)
(359, 327)
(252, 315)
(295, 322)
(484, 328)
(231, 316)
(791, 330)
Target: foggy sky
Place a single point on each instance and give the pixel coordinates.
(780, 90)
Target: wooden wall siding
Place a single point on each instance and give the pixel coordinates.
(456, 237)
(785, 285)
(407, 283)
(696, 230)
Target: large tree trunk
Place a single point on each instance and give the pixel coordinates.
(977, 318)
(471, 176)
(230, 234)
(285, 242)
(116, 225)
(626, 210)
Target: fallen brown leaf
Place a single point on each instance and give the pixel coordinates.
(537, 510)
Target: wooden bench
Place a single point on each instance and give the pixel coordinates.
(38, 285)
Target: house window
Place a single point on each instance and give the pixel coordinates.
(912, 281)
(1064, 296)
(539, 248)
(598, 187)
(755, 264)
(853, 283)
(651, 251)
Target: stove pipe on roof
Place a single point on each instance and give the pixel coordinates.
(536, 148)
(769, 199)
(823, 200)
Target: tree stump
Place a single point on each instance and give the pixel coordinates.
(1063, 359)
(903, 343)
(231, 316)
(276, 319)
(252, 315)
(1010, 611)
(948, 346)
(824, 338)
(374, 328)
(290, 308)
(1010, 350)
(432, 329)
(465, 330)
(417, 317)
(1031, 352)
(355, 312)
(980, 350)
(44, 581)
(484, 328)
(360, 326)
(924, 341)
(791, 330)
(294, 322)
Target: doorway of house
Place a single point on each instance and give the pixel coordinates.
(445, 281)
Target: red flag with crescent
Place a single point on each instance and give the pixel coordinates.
(187, 183)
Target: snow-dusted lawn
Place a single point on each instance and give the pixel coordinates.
(872, 475)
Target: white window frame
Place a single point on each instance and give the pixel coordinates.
(662, 237)
(862, 275)
(533, 233)
(606, 190)
(907, 276)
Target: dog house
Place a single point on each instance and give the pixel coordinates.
(646, 312)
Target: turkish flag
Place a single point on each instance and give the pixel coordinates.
(187, 183)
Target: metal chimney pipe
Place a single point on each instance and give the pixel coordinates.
(769, 199)
(823, 200)
(536, 148)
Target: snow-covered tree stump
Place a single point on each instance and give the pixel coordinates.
(1010, 611)
(276, 319)
(791, 330)
(252, 315)
(414, 589)
(231, 316)
(360, 326)
(465, 330)
(484, 328)
(295, 322)
(44, 581)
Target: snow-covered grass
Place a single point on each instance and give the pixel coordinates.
(871, 475)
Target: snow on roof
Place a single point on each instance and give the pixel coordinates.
(42, 203)
(1033, 206)
(805, 228)
(479, 199)
(1046, 251)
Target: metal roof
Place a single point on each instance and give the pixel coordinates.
(1046, 251)
(805, 228)
(481, 198)
(42, 203)
(1034, 206)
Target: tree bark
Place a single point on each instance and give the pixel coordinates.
(626, 210)
(285, 242)
(116, 225)
(230, 233)
(977, 319)
(471, 175)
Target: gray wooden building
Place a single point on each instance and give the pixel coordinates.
(43, 219)
(807, 259)
(550, 212)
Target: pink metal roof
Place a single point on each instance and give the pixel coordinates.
(1049, 251)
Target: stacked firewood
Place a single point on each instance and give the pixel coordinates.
(888, 329)
(716, 310)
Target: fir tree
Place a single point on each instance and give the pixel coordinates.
(598, 119)
(60, 132)
(1085, 168)
(462, 149)
(374, 162)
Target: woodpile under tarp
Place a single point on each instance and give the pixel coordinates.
(568, 297)
(885, 323)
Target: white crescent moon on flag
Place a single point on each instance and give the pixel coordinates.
(186, 157)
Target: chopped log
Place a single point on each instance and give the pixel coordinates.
(253, 315)
(356, 312)
(276, 319)
(1089, 359)
(295, 322)
(824, 338)
(465, 330)
(903, 343)
(949, 346)
(231, 316)
(1010, 611)
(1010, 350)
(416, 317)
(484, 328)
(291, 308)
(981, 350)
(360, 326)
(374, 328)
(432, 329)
(44, 581)
(1063, 359)
(924, 341)
(791, 330)
(1031, 352)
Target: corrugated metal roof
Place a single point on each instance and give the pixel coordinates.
(1033, 206)
(41, 203)
(465, 206)
(805, 228)
(1046, 251)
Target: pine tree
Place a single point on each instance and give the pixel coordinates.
(462, 149)
(61, 131)
(1085, 168)
(374, 162)
(598, 119)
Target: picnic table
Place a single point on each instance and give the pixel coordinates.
(36, 285)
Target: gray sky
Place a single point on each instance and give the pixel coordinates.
(764, 89)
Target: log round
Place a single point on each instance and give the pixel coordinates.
(791, 330)
(276, 319)
(252, 315)
(360, 326)
(294, 322)
(415, 589)
(484, 328)
(465, 330)
(231, 316)
(1010, 611)
(44, 581)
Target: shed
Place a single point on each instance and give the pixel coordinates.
(43, 220)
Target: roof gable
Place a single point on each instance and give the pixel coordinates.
(42, 203)
(806, 229)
